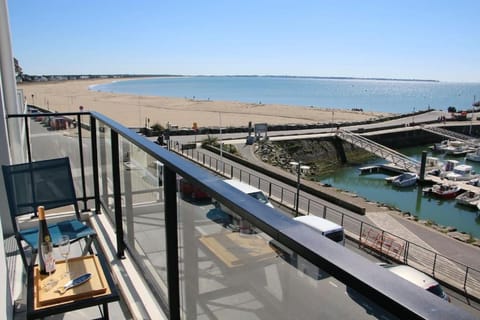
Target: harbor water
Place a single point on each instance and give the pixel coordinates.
(411, 199)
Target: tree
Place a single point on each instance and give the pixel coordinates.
(452, 109)
(18, 69)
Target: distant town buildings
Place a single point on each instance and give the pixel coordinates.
(41, 78)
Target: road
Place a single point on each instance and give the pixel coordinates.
(239, 138)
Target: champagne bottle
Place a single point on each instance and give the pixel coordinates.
(46, 259)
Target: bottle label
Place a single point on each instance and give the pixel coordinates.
(49, 262)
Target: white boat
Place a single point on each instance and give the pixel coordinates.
(469, 198)
(462, 172)
(473, 156)
(455, 147)
(404, 180)
(444, 169)
(432, 163)
(440, 146)
(458, 148)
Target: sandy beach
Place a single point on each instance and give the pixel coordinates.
(135, 110)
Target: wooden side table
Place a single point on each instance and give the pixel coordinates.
(99, 290)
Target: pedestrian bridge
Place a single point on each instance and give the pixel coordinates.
(396, 158)
(451, 135)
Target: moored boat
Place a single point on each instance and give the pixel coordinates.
(445, 168)
(443, 190)
(404, 180)
(473, 156)
(454, 147)
(462, 172)
(440, 146)
(458, 148)
(469, 198)
(433, 163)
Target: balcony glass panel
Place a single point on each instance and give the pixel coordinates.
(230, 269)
(55, 137)
(105, 171)
(143, 212)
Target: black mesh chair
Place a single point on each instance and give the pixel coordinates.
(47, 183)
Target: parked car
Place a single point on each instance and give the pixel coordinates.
(191, 191)
(243, 224)
(418, 278)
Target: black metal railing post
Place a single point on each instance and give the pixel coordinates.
(82, 162)
(170, 196)
(405, 255)
(117, 196)
(27, 138)
(93, 141)
(360, 235)
(465, 283)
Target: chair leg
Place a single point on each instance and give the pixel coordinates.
(105, 311)
(22, 253)
(34, 257)
(88, 246)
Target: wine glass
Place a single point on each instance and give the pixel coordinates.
(47, 254)
(64, 246)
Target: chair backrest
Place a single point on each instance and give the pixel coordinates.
(48, 183)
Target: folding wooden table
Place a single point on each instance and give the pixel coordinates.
(99, 290)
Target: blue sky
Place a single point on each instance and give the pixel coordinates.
(436, 39)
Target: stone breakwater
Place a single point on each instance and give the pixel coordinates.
(322, 155)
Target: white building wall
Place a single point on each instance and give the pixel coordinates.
(8, 103)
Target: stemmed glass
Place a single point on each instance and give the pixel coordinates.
(47, 254)
(64, 246)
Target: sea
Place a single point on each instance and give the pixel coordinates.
(393, 96)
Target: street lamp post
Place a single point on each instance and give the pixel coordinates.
(471, 118)
(297, 166)
(297, 199)
(220, 133)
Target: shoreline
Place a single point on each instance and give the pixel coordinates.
(139, 111)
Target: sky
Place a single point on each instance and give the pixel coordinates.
(419, 39)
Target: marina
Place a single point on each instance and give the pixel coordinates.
(373, 186)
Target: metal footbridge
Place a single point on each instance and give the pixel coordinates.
(451, 135)
(396, 158)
